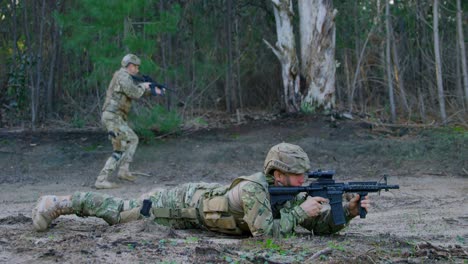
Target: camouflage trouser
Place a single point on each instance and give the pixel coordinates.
(124, 142)
(111, 208)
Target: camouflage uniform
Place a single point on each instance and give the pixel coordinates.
(122, 90)
(242, 208)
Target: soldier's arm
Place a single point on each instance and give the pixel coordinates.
(259, 217)
(323, 224)
(131, 88)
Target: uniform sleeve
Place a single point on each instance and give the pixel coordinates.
(259, 217)
(323, 224)
(130, 88)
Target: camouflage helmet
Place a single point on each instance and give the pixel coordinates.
(130, 58)
(287, 158)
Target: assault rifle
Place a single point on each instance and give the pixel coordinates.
(153, 84)
(327, 188)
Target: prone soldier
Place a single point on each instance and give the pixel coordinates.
(241, 208)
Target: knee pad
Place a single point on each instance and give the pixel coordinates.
(117, 155)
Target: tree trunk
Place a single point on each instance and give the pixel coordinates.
(461, 42)
(438, 64)
(317, 28)
(422, 106)
(231, 100)
(238, 59)
(285, 51)
(398, 74)
(50, 83)
(458, 77)
(389, 63)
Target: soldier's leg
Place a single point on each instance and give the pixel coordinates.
(102, 181)
(100, 205)
(48, 208)
(131, 144)
(117, 137)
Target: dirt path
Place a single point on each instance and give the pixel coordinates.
(425, 221)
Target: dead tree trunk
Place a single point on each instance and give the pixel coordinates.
(398, 74)
(461, 42)
(389, 63)
(317, 36)
(37, 81)
(438, 63)
(285, 51)
(419, 68)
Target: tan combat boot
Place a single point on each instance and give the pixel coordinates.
(103, 183)
(125, 174)
(48, 208)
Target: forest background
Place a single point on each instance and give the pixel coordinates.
(395, 61)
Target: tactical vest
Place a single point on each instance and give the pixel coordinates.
(210, 209)
(117, 101)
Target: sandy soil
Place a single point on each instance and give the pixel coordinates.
(426, 221)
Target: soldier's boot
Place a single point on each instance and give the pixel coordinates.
(125, 174)
(48, 208)
(103, 183)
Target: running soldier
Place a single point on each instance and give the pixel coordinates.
(120, 93)
(241, 208)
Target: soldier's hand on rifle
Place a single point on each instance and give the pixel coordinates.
(146, 85)
(353, 205)
(313, 205)
(160, 91)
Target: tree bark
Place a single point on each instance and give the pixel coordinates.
(422, 106)
(398, 73)
(285, 51)
(461, 43)
(238, 57)
(317, 36)
(389, 63)
(438, 64)
(50, 83)
(231, 102)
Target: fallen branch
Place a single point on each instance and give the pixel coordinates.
(141, 174)
(317, 255)
(375, 124)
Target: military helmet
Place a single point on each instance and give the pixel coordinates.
(287, 158)
(130, 58)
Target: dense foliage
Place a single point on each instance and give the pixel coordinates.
(59, 57)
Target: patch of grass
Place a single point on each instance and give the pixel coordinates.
(77, 121)
(200, 121)
(270, 244)
(336, 246)
(131, 246)
(192, 239)
(91, 147)
(4, 142)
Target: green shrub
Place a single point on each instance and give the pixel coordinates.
(155, 121)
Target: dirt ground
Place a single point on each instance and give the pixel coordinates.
(425, 221)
